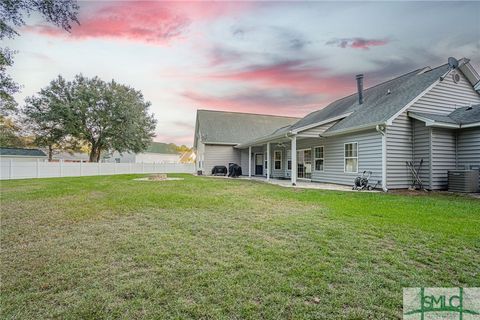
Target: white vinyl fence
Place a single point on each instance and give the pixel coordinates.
(11, 169)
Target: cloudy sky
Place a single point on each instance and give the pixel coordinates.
(285, 58)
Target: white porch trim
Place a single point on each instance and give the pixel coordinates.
(268, 161)
(249, 162)
(294, 160)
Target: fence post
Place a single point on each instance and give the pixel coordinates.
(81, 168)
(115, 167)
(38, 169)
(143, 167)
(98, 168)
(61, 167)
(10, 169)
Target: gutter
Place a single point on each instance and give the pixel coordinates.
(355, 129)
(440, 124)
(316, 124)
(263, 139)
(291, 132)
(382, 129)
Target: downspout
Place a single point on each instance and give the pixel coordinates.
(382, 130)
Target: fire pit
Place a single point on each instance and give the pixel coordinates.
(157, 177)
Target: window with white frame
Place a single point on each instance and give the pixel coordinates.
(289, 159)
(277, 158)
(351, 157)
(318, 156)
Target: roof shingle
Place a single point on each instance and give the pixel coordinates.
(7, 151)
(234, 127)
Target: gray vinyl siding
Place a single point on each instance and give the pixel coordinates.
(421, 149)
(244, 161)
(399, 150)
(219, 155)
(443, 98)
(443, 156)
(369, 157)
(468, 146)
(446, 96)
(200, 155)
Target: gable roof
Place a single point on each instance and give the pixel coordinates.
(163, 148)
(386, 99)
(457, 118)
(225, 127)
(23, 152)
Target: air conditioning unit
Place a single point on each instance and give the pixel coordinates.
(463, 180)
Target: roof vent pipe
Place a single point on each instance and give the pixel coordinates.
(359, 78)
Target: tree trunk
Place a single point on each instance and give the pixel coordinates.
(99, 152)
(50, 153)
(93, 155)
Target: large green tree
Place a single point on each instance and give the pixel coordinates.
(104, 116)
(45, 117)
(61, 13)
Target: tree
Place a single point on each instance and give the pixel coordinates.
(45, 116)
(183, 148)
(10, 134)
(110, 117)
(12, 12)
(104, 116)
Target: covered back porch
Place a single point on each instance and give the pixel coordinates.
(287, 158)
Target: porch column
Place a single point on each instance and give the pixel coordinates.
(294, 161)
(268, 161)
(249, 162)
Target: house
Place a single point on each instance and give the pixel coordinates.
(22, 154)
(218, 132)
(156, 152)
(429, 113)
(70, 156)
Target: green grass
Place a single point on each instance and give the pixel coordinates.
(114, 248)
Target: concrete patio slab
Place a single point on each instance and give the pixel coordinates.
(300, 184)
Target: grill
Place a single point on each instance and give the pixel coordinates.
(463, 180)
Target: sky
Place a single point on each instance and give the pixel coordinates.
(282, 58)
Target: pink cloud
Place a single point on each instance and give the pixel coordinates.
(357, 43)
(294, 75)
(145, 21)
(256, 101)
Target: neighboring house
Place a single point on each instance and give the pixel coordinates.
(70, 157)
(430, 113)
(22, 154)
(218, 132)
(157, 152)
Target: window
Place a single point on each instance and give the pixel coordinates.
(318, 158)
(289, 159)
(351, 157)
(277, 158)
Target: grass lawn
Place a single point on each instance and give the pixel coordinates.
(110, 247)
